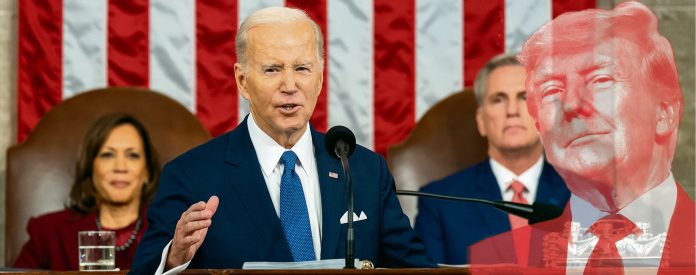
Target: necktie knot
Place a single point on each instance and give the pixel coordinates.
(609, 229)
(289, 158)
(517, 187)
(614, 227)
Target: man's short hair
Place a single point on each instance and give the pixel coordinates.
(481, 81)
(272, 15)
(580, 31)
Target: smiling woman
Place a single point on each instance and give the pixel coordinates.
(116, 175)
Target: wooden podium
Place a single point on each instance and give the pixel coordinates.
(331, 271)
(495, 269)
(279, 271)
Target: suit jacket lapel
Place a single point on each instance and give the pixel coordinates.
(487, 187)
(549, 241)
(679, 248)
(332, 197)
(551, 188)
(247, 180)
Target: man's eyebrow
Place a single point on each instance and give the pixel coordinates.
(498, 94)
(546, 77)
(584, 70)
(303, 64)
(271, 66)
(593, 67)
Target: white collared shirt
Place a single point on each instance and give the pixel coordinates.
(655, 207)
(529, 178)
(268, 153)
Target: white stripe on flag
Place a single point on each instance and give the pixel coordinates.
(439, 42)
(245, 8)
(522, 18)
(84, 46)
(351, 65)
(173, 50)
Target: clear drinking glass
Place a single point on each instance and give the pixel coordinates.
(96, 250)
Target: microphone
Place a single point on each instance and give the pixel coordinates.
(340, 142)
(537, 212)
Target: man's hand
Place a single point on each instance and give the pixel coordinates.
(190, 232)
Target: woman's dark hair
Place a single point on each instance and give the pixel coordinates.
(83, 195)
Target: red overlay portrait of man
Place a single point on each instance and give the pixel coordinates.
(604, 91)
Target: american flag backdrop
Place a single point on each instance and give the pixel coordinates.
(387, 61)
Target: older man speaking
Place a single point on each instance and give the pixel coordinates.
(268, 190)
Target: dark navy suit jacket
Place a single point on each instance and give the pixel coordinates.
(448, 228)
(246, 226)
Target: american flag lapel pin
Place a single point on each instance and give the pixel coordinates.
(333, 175)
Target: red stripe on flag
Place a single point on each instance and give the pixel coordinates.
(561, 6)
(216, 89)
(128, 43)
(394, 71)
(484, 35)
(316, 9)
(39, 65)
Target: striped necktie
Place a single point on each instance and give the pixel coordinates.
(521, 234)
(518, 189)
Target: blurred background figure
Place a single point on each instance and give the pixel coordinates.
(515, 170)
(116, 176)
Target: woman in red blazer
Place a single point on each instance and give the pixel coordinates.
(116, 176)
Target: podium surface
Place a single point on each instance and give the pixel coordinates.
(271, 272)
(406, 271)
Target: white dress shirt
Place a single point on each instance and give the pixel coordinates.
(655, 207)
(528, 178)
(268, 153)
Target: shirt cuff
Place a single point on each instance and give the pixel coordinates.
(163, 261)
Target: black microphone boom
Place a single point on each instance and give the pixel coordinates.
(340, 142)
(537, 212)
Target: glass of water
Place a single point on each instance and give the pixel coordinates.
(96, 250)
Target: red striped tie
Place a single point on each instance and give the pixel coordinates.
(521, 235)
(518, 188)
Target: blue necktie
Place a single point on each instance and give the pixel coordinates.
(293, 211)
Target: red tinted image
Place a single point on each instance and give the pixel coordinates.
(604, 91)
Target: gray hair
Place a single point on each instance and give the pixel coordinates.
(270, 15)
(481, 81)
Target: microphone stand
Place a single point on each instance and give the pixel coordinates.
(518, 209)
(342, 151)
(537, 212)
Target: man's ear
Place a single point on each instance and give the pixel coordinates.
(480, 123)
(667, 119)
(240, 78)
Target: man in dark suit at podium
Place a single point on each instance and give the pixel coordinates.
(268, 190)
(515, 171)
